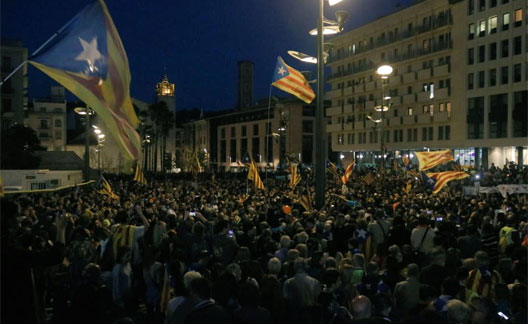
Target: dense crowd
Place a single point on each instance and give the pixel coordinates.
(213, 250)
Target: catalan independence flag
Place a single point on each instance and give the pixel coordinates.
(138, 175)
(106, 189)
(428, 160)
(330, 166)
(348, 172)
(88, 58)
(305, 200)
(295, 178)
(254, 176)
(442, 178)
(292, 81)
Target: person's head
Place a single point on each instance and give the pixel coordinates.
(293, 254)
(303, 250)
(361, 307)
(234, 268)
(200, 288)
(189, 276)
(91, 272)
(285, 241)
(274, 266)
(299, 265)
(413, 271)
(482, 259)
(458, 312)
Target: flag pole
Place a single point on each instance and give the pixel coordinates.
(38, 49)
(268, 133)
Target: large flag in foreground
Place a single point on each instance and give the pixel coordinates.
(428, 160)
(348, 172)
(442, 178)
(292, 81)
(88, 58)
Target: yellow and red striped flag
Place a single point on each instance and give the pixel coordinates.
(305, 200)
(292, 81)
(88, 58)
(369, 178)
(348, 172)
(405, 160)
(138, 175)
(442, 178)
(254, 176)
(106, 189)
(295, 177)
(428, 160)
(330, 166)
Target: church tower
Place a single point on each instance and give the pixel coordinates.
(165, 92)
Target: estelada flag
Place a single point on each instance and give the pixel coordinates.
(292, 81)
(348, 172)
(442, 178)
(428, 160)
(87, 58)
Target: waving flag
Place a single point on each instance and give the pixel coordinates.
(88, 58)
(428, 160)
(305, 200)
(405, 160)
(138, 175)
(106, 189)
(254, 176)
(292, 81)
(348, 172)
(369, 178)
(295, 177)
(330, 166)
(442, 178)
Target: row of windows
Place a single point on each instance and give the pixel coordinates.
(45, 135)
(482, 5)
(307, 127)
(493, 78)
(443, 133)
(494, 51)
(479, 29)
(44, 123)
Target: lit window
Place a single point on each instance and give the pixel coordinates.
(492, 24)
(448, 108)
(482, 28)
(471, 34)
(441, 107)
(506, 21)
(431, 110)
(410, 111)
(518, 17)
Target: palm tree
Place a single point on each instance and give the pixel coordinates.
(163, 120)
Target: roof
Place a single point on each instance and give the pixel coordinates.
(59, 160)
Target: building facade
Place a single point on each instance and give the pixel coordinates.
(271, 135)
(14, 101)
(48, 118)
(430, 102)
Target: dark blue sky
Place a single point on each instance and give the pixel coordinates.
(198, 42)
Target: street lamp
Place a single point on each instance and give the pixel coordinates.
(86, 112)
(383, 71)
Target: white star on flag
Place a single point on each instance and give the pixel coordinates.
(90, 53)
(281, 70)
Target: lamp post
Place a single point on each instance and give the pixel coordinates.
(383, 71)
(86, 112)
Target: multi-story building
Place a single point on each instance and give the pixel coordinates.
(433, 100)
(14, 101)
(195, 141)
(285, 129)
(48, 118)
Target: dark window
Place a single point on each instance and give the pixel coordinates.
(307, 148)
(517, 73)
(233, 150)
(493, 3)
(481, 79)
(493, 51)
(520, 114)
(470, 7)
(44, 123)
(482, 54)
(243, 147)
(482, 5)
(505, 48)
(471, 56)
(517, 45)
(233, 131)
(504, 75)
(470, 81)
(447, 133)
(424, 134)
(409, 135)
(498, 116)
(430, 133)
(307, 126)
(255, 150)
(244, 131)
(440, 132)
(255, 130)
(492, 77)
(269, 153)
(222, 133)
(223, 151)
(415, 134)
(475, 118)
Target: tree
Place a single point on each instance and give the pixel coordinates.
(19, 144)
(163, 120)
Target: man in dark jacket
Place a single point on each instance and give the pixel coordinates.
(206, 310)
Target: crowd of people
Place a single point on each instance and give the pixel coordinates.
(214, 250)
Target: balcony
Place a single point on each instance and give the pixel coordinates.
(409, 99)
(348, 91)
(425, 118)
(424, 96)
(442, 93)
(424, 74)
(334, 94)
(370, 86)
(334, 111)
(348, 109)
(441, 116)
(409, 120)
(409, 77)
(334, 127)
(394, 81)
(442, 70)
